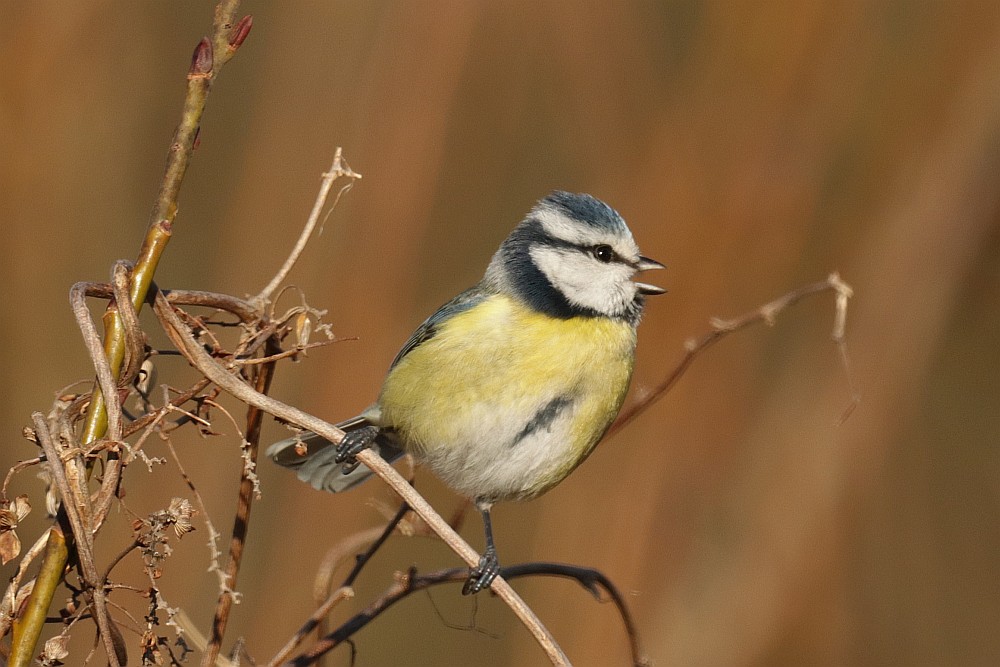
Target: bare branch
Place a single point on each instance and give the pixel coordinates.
(338, 169)
(764, 314)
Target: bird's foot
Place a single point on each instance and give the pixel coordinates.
(354, 443)
(481, 576)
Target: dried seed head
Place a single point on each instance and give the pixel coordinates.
(56, 649)
(181, 511)
(11, 513)
(303, 329)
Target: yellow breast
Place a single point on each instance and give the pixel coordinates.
(461, 400)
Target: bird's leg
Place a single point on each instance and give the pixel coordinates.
(481, 576)
(354, 443)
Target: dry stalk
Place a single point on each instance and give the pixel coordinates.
(14, 594)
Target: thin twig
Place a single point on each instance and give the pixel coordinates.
(132, 546)
(213, 534)
(766, 315)
(14, 469)
(349, 547)
(213, 370)
(363, 559)
(298, 349)
(592, 580)
(153, 417)
(105, 374)
(342, 593)
(338, 169)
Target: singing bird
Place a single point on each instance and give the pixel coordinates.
(510, 385)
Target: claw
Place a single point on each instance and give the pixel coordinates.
(481, 576)
(354, 443)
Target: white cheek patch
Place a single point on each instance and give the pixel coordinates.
(585, 282)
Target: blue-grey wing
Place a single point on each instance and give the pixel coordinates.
(464, 301)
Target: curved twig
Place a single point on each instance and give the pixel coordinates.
(592, 580)
(135, 339)
(105, 373)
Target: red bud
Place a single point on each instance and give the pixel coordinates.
(240, 32)
(203, 60)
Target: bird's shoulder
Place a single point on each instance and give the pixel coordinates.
(468, 299)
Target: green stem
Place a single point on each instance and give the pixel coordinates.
(49, 577)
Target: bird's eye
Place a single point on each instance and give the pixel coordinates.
(603, 253)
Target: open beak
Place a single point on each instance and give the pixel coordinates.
(647, 264)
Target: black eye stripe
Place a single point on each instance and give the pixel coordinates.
(539, 237)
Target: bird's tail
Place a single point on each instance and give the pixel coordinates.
(314, 458)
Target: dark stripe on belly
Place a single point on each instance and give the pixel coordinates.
(544, 417)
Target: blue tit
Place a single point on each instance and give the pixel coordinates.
(509, 386)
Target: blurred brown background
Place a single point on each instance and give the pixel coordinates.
(753, 147)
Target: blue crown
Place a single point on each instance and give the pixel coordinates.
(586, 209)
